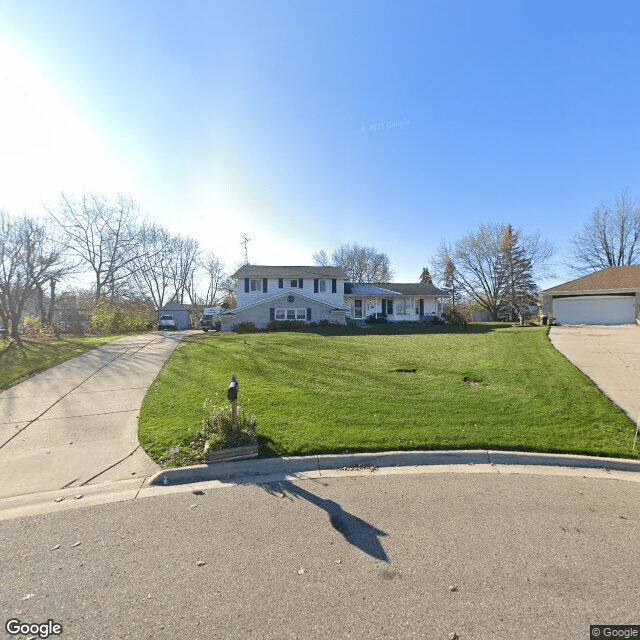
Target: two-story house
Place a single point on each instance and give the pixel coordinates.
(274, 293)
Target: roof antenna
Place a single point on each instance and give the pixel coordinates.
(245, 241)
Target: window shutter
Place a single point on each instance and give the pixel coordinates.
(315, 285)
(246, 285)
(264, 285)
(334, 285)
(280, 283)
(299, 283)
(272, 314)
(309, 313)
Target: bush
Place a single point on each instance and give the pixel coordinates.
(454, 316)
(217, 426)
(373, 320)
(245, 327)
(31, 326)
(287, 325)
(111, 316)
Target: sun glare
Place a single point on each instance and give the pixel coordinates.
(45, 146)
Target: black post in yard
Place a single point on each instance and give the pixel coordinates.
(232, 394)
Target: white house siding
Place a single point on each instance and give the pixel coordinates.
(260, 313)
(404, 308)
(308, 287)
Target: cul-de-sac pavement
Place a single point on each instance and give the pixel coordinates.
(482, 546)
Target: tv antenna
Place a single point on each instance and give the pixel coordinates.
(245, 241)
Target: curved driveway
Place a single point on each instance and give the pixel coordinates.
(77, 423)
(609, 355)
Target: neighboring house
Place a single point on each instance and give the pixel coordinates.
(396, 301)
(272, 293)
(610, 296)
(315, 294)
(179, 312)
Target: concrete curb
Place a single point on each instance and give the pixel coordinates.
(253, 470)
(259, 471)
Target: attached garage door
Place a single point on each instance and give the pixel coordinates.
(594, 310)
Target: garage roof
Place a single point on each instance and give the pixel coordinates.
(613, 279)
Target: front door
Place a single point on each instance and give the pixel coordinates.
(421, 307)
(358, 309)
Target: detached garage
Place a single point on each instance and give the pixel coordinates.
(610, 296)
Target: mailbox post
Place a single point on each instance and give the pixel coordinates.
(232, 394)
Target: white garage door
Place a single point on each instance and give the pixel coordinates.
(594, 310)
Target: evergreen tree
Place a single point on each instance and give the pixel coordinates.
(425, 277)
(516, 273)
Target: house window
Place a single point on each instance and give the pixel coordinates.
(255, 285)
(290, 314)
(294, 283)
(322, 286)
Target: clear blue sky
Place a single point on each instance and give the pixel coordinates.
(308, 124)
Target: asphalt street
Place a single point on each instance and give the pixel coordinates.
(481, 555)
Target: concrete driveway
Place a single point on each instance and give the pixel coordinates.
(609, 355)
(77, 423)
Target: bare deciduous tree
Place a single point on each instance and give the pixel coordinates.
(360, 263)
(105, 236)
(186, 258)
(215, 277)
(152, 275)
(28, 260)
(478, 266)
(610, 238)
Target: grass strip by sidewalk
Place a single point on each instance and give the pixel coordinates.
(39, 354)
(496, 387)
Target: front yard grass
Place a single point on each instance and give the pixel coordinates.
(447, 388)
(39, 354)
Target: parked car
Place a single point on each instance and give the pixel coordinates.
(206, 322)
(210, 319)
(167, 322)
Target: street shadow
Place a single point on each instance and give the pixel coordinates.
(355, 531)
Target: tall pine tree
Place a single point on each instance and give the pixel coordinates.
(516, 273)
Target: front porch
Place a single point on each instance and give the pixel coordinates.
(394, 308)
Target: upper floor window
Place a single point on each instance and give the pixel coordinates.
(294, 283)
(322, 286)
(255, 285)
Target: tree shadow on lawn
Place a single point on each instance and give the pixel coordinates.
(400, 328)
(381, 329)
(355, 531)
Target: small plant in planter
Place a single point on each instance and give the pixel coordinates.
(217, 427)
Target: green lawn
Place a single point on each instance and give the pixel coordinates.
(484, 387)
(40, 354)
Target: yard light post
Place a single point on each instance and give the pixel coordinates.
(232, 394)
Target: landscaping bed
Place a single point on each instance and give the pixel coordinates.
(348, 391)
